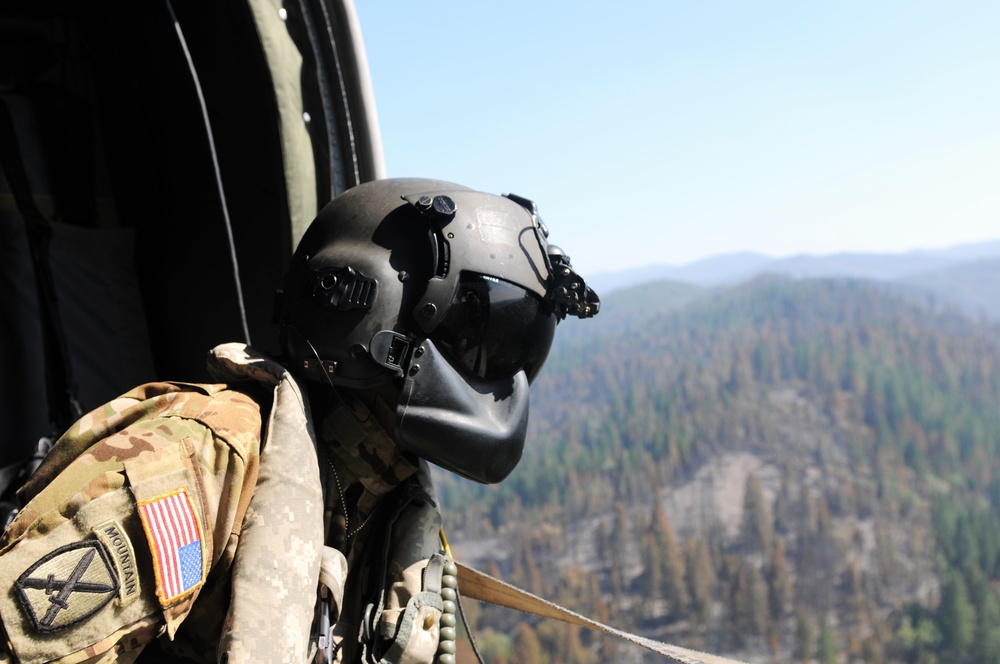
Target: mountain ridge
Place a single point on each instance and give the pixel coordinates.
(730, 268)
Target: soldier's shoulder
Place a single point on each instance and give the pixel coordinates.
(232, 413)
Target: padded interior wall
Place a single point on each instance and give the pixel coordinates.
(183, 253)
(154, 224)
(118, 160)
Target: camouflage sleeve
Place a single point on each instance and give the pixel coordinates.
(277, 567)
(127, 516)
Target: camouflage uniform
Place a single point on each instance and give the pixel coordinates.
(196, 513)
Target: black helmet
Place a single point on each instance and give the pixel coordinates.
(452, 292)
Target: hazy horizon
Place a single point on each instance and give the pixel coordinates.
(664, 133)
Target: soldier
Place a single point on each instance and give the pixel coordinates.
(285, 514)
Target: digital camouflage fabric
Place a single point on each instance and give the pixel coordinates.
(277, 566)
(158, 439)
(140, 510)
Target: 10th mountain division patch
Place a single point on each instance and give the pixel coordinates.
(67, 585)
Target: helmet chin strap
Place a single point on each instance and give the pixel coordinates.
(381, 402)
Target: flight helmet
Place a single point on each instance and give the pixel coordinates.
(450, 293)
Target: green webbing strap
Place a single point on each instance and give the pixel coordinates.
(477, 585)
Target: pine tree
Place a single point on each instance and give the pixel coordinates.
(956, 616)
(852, 597)
(621, 534)
(739, 604)
(759, 614)
(652, 562)
(495, 647)
(527, 646)
(987, 635)
(672, 571)
(871, 651)
(778, 582)
(533, 575)
(757, 522)
(802, 651)
(700, 578)
(826, 650)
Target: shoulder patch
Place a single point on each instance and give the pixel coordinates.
(175, 540)
(119, 547)
(67, 586)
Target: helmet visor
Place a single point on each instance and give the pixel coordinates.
(494, 328)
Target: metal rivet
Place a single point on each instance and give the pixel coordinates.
(305, 364)
(428, 310)
(306, 117)
(414, 369)
(283, 14)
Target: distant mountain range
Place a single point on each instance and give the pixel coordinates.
(966, 276)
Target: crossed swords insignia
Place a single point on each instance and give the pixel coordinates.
(45, 608)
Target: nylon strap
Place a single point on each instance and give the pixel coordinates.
(481, 586)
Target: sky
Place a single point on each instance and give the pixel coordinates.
(662, 132)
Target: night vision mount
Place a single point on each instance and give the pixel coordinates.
(568, 293)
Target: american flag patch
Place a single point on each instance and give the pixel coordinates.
(174, 536)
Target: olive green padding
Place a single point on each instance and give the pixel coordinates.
(285, 64)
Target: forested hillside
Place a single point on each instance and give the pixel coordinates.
(782, 471)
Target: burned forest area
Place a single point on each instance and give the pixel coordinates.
(778, 471)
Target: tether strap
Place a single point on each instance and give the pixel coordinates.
(477, 585)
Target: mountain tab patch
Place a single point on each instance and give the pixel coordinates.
(119, 547)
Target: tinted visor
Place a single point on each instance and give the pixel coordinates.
(494, 328)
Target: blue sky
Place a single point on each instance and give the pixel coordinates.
(661, 132)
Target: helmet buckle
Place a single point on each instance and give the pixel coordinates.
(390, 350)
